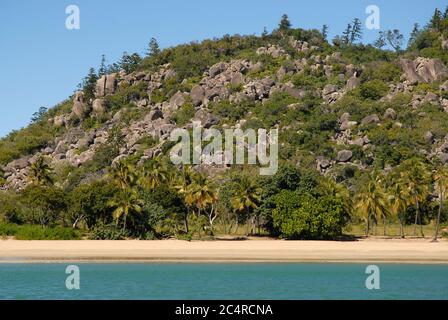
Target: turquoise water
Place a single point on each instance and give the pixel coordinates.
(223, 281)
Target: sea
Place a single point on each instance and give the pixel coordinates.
(221, 281)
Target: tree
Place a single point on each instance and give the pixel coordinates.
(39, 115)
(153, 48)
(399, 199)
(202, 194)
(102, 70)
(346, 35)
(441, 185)
(380, 42)
(356, 32)
(89, 84)
(180, 183)
(153, 174)
(337, 190)
(285, 24)
(395, 39)
(265, 33)
(126, 202)
(129, 63)
(416, 179)
(123, 175)
(371, 201)
(436, 20)
(40, 172)
(324, 31)
(414, 34)
(246, 198)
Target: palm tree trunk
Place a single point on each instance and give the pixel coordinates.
(186, 222)
(384, 225)
(367, 226)
(438, 217)
(401, 227)
(416, 216)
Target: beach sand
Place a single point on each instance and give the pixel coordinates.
(370, 250)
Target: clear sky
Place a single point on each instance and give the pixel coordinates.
(41, 62)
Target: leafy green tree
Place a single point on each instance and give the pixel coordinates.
(415, 33)
(346, 35)
(41, 172)
(39, 115)
(436, 20)
(303, 216)
(380, 42)
(180, 182)
(153, 174)
(395, 39)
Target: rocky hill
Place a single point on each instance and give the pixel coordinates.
(343, 110)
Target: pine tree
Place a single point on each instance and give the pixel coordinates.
(414, 34)
(129, 63)
(436, 20)
(346, 34)
(284, 24)
(265, 33)
(356, 32)
(39, 115)
(102, 70)
(325, 31)
(89, 84)
(153, 48)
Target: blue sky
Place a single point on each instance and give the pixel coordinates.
(42, 62)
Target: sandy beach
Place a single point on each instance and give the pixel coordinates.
(370, 250)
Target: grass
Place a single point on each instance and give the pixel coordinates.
(35, 232)
(392, 230)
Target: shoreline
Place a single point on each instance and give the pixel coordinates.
(406, 251)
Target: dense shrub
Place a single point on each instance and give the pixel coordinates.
(302, 216)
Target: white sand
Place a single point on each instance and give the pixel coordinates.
(371, 250)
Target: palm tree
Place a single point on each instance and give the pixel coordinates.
(180, 183)
(399, 200)
(371, 201)
(40, 172)
(123, 175)
(201, 193)
(246, 198)
(125, 202)
(416, 178)
(441, 184)
(153, 174)
(339, 191)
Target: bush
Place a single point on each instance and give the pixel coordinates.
(302, 216)
(374, 89)
(108, 232)
(35, 232)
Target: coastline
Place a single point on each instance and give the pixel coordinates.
(415, 251)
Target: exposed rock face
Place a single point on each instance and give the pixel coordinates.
(80, 109)
(423, 70)
(98, 107)
(344, 156)
(178, 99)
(197, 95)
(274, 51)
(107, 84)
(373, 118)
(390, 114)
(205, 118)
(353, 83)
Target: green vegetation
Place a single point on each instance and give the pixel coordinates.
(389, 181)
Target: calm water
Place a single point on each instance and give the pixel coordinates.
(223, 281)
